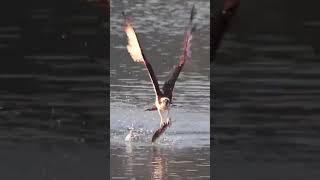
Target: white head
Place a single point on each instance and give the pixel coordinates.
(165, 100)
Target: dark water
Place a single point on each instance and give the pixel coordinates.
(183, 151)
(266, 105)
(53, 75)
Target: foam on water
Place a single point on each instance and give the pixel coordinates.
(187, 129)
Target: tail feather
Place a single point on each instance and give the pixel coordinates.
(154, 108)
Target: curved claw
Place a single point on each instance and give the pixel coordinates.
(162, 123)
(168, 122)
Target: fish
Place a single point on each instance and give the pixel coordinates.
(161, 130)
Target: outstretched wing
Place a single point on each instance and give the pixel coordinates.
(137, 55)
(169, 84)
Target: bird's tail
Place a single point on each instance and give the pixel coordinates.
(153, 108)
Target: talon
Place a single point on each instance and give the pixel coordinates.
(168, 120)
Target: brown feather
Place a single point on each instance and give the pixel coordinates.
(137, 55)
(169, 84)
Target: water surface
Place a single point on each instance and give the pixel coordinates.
(183, 151)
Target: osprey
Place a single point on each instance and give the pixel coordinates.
(163, 99)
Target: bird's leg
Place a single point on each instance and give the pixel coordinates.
(168, 118)
(161, 117)
(169, 121)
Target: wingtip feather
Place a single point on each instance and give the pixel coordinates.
(133, 45)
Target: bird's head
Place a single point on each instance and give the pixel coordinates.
(165, 100)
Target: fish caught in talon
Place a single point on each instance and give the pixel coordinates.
(163, 98)
(160, 131)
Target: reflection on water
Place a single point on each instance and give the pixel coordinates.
(159, 162)
(160, 27)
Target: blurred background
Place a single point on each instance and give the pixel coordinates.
(266, 99)
(53, 92)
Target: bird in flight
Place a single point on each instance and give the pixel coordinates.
(163, 99)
